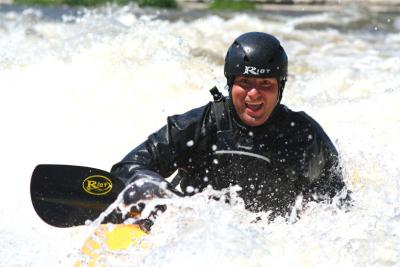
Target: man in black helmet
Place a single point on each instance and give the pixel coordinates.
(247, 139)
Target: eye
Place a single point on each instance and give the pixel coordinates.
(266, 84)
(242, 82)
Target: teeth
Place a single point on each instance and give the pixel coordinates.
(254, 104)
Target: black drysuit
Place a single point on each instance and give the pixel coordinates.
(273, 163)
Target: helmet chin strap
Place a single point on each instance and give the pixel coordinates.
(229, 82)
(278, 96)
(281, 86)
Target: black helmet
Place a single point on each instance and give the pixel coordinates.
(256, 54)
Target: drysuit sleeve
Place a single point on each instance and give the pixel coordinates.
(330, 179)
(324, 171)
(169, 148)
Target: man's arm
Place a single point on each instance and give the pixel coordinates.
(324, 170)
(330, 181)
(169, 148)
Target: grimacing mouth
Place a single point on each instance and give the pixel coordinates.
(254, 105)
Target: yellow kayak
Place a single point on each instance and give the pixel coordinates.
(108, 240)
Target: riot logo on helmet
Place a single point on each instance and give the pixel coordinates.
(254, 70)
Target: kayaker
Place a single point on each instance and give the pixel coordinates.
(247, 138)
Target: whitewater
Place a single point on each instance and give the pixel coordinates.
(85, 86)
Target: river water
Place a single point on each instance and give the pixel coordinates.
(84, 87)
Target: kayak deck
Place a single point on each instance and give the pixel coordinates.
(108, 239)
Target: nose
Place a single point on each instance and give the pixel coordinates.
(253, 92)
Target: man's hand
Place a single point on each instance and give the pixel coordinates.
(145, 185)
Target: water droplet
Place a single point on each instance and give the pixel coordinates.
(190, 143)
(214, 147)
(215, 161)
(310, 137)
(292, 124)
(190, 189)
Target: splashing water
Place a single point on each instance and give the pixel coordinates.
(84, 87)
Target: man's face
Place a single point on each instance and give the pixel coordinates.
(254, 98)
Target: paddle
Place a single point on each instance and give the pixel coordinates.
(66, 195)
